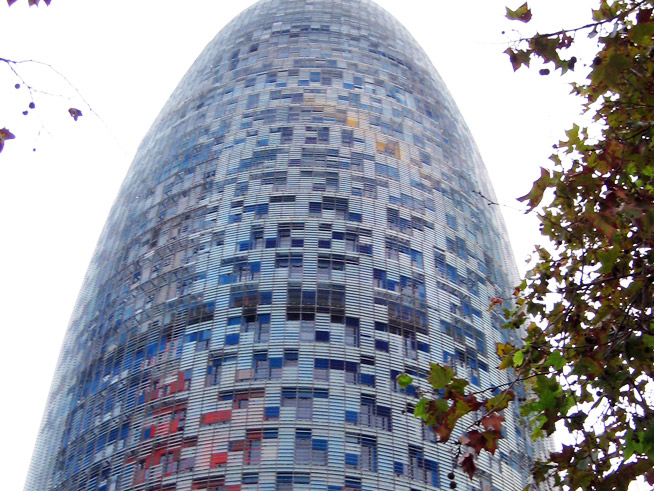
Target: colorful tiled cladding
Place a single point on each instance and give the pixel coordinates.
(302, 223)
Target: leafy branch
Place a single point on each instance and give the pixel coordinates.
(585, 311)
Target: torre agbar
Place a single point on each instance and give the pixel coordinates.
(304, 221)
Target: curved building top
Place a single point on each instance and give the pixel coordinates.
(303, 222)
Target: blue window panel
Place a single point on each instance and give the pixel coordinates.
(265, 298)
(423, 347)
(381, 345)
(151, 349)
(416, 258)
(234, 321)
(354, 217)
(271, 412)
(297, 242)
(231, 339)
(352, 417)
(365, 249)
(318, 444)
(452, 274)
(432, 466)
(271, 243)
(275, 362)
(381, 326)
(147, 433)
(367, 379)
(322, 336)
(352, 459)
(272, 432)
(321, 363)
(324, 244)
(398, 468)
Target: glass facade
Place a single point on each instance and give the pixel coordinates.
(304, 221)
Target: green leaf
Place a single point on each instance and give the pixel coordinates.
(535, 196)
(522, 13)
(421, 409)
(518, 358)
(404, 380)
(458, 386)
(500, 401)
(440, 376)
(555, 360)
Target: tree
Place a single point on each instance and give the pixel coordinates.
(5, 133)
(586, 307)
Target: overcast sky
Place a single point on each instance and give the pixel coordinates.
(125, 57)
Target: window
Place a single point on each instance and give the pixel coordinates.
(169, 463)
(302, 447)
(250, 477)
(375, 416)
(352, 331)
(369, 454)
(290, 359)
(413, 287)
(257, 324)
(244, 271)
(248, 297)
(307, 327)
(253, 449)
(321, 369)
(410, 347)
(285, 480)
(260, 366)
(286, 135)
(256, 240)
(292, 262)
(347, 137)
(352, 372)
(366, 456)
(214, 369)
(329, 263)
(421, 469)
(284, 235)
(351, 242)
(429, 434)
(301, 400)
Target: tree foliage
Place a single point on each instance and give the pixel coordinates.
(585, 309)
(22, 84)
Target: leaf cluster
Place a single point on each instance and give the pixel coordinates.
(589, 298)
(585, 310)
(444, 412)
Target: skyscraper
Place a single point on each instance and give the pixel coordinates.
(304, 221)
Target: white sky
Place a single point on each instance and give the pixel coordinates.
(126, 57)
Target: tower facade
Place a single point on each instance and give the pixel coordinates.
(304, 221)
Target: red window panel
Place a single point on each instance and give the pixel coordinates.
(218, 459)
(216, 417)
